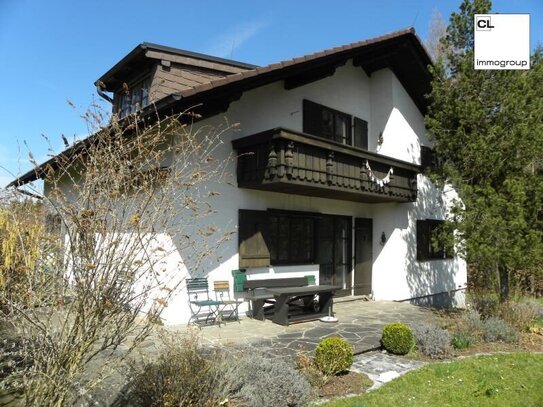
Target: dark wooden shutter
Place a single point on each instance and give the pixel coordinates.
(427, 158)
(360, 133)
(253, 233)
(423, 240)
(312, 118)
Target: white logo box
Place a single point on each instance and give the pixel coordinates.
(502, 41)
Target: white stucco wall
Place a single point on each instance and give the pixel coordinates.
(382, 101)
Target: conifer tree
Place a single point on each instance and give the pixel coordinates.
(487, 126)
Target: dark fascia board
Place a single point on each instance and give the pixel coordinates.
(197, 55)
(138, 55)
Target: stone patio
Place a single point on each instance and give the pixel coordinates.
(360, 322)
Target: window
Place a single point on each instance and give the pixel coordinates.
(433, 240)
(133, 98)
(276, 238)
(292, 238)
(427, 158)
(334, 125)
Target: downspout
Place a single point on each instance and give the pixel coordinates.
(99, 89)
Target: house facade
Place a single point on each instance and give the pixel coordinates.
(328, 168)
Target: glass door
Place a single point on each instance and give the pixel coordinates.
(334, 251)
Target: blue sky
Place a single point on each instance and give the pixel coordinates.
(54, 50)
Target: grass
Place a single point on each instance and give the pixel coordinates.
(497, 380)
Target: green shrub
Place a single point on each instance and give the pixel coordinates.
(432, 340)
(460, 341)
(397, 338)
(496, 329)
(333, 355)
(182, 376)
(254, 380)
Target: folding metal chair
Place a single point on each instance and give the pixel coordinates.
(203, 309)
(229, 307)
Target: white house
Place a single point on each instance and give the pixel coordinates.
(330, 156)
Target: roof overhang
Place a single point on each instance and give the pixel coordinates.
(401, 51)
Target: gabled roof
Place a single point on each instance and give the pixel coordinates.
(401, 51)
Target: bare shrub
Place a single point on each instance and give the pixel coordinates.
(470, 325)
(183, 375)
(306, 365)
(21, 238)
(126, 199)
(486, 304)
(520, 314)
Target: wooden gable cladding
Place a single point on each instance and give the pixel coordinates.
(286, 161)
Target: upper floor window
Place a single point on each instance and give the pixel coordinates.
(133, 98)
(428, 158)
(334, 125)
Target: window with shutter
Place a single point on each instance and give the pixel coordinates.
(276, 238)
(334, 125)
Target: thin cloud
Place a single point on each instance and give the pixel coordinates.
(225, 44)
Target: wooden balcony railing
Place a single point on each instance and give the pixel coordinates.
(285, 161)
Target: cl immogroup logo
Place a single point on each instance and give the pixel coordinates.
(483, 23)
(502, 41)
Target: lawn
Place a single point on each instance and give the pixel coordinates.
(497, 380)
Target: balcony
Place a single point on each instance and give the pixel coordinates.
(285, 161)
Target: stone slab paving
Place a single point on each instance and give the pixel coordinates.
(382, 367)
(360, 322)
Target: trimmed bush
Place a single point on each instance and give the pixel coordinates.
(496, 329)
(254, 380)
(333, 355)
(432, 340)
(397, 338)
(460, 341)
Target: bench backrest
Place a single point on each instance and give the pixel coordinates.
(275, 282)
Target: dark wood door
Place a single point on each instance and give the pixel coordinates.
(363, 256)
(334, 251)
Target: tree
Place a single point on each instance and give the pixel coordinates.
(487, 127)
(122, 203)
(437, 29)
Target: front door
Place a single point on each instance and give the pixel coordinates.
(334, 252)
(363, 242)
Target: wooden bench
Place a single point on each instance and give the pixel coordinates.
(258, 291)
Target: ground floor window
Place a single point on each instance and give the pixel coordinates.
(433, 240)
